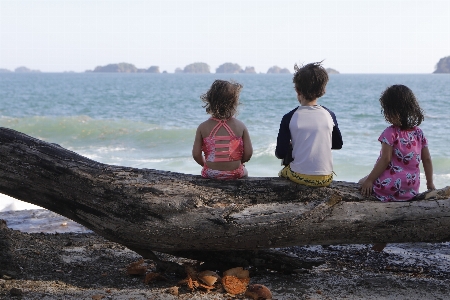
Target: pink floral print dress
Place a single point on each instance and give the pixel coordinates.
(401, 179)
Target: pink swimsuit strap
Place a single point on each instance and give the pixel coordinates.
(221, 123)
(230, 154)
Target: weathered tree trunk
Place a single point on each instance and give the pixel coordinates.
(150, 210)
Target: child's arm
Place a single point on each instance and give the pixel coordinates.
(427, 167)
(284, 136)
(248, 148)
(197, 148)
(336, 136)
(283, 140)
(380, 166)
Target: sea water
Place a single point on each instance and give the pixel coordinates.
(149, 120)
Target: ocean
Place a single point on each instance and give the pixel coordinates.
(149, 120)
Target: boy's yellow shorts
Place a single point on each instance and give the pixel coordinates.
(309, 180)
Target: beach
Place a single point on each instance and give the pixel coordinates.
(84, 265)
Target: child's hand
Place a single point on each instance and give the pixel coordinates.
(366, 188)
(430, 186)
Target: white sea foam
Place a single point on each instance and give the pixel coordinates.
(266, 150)
(10, 204)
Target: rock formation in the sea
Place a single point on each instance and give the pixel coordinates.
(178, 70)
(229, 68)
(4, 70)
(331, 71)
(153, 69)
(443, 66)
(248, 70)
(198, 67)
(277, 70)
(116, 68)
(25, 70)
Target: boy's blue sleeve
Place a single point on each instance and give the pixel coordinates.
(284, 136)
(336, 136)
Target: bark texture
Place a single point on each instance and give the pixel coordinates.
(150, 210)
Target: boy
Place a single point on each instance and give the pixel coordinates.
(310, 131)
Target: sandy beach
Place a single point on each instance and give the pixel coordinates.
(86, 266)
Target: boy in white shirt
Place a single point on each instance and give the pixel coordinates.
(310, 131)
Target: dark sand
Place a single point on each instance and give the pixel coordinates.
(86, 266)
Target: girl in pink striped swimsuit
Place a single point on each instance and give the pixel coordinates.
(223, 139)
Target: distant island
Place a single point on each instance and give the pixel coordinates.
(231, 68)
(194, 68)
(20, 70)
(123, 68)
(198, 67)
(331, 71)
(443, 66)
(249, 70)
(25, 70)
(278, 70)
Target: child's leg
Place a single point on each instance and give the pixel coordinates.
(245, 173)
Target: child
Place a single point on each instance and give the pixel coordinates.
(310, 131)
(396, 174)
(224, 140)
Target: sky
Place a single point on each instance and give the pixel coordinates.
(354, 36)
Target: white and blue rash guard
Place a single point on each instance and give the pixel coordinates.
(312, 131)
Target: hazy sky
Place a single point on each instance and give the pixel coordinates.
(355, 36)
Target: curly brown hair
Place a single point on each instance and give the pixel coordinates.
(222, 99)
(310, 80)
(400, 107)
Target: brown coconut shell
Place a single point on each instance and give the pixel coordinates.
(137, 268)
(208, 277)
(258, 292)
(238, 272)
(234, 285)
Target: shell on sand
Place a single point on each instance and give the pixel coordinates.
(208, 277)
(258, 292)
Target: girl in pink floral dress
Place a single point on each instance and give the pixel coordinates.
(396, 174)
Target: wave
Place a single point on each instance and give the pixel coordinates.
(83, 130)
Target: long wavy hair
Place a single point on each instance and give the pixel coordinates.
(310, 80)
(400, 107)
(222, 99)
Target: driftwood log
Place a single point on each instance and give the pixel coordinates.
(185, 215)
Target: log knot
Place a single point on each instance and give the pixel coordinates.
(334, 199)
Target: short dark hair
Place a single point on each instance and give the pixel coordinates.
(222, 99)
(310, 80)
(400, 107)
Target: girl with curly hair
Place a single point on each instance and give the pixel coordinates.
(396, 174)
(222, 138)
